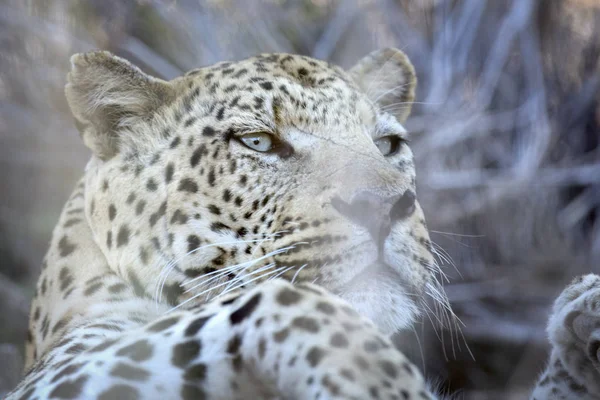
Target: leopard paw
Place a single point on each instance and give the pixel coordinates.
(574, 331)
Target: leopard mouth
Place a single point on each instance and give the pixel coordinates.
(377, 271)
(383, 296)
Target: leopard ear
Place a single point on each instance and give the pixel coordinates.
(388, 78)
(108, 94)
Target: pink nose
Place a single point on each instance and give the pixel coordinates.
(376, 213)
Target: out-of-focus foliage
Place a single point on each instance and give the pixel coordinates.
(505, 133)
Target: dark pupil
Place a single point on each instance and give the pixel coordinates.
(256, 141)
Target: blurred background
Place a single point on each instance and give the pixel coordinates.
(505, 133)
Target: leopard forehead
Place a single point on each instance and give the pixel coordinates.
(272, 91)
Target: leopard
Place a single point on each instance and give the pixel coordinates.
(250, 230)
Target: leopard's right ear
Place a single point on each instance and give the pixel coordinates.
(107, 95)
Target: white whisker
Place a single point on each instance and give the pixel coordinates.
(282, 272)
(251, 280)
(297, 272)
(169, 267)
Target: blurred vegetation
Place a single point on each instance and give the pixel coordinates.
(505, 134)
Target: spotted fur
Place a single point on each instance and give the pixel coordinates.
(573, 371)
(159, 278)
(166, 274)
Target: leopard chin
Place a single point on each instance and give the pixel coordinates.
(379, 294)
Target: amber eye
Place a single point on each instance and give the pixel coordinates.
(259, 141)
(388, 145)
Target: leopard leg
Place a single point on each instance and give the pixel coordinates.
(276, 341)
(573, 371)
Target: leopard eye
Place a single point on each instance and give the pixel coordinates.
(259, 141)
(388, 145)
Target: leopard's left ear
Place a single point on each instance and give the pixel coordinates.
(388, 78)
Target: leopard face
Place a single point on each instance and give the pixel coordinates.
(274, 166)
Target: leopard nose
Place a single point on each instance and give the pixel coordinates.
(376, 213)
(403, 207)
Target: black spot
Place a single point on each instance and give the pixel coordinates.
(226, 195)
(130, 198)
(196, 372)
(151, 185)
(266, 85)
(112, 212)
(246, 310)
(138, 351)
(306, 323)
(371, 346)
(314, 356)
(219, 226)
(339, 340)
(234, 344)
(281, 335)
(187, 185)
(65, 278)
(237, 363)
(288, 296)
(242, 232)
(189, 122)
(220, 113)
(208, 131)
(102, 346)
(262, 347)
(389, 368)
(198, 154)
(184, 353)
(65, 247)
(155, 159)
(123, 236)
(92, 289)
(169, 172)
(117, 288)
(193, 242)
(192, 392)
(139, 208)
(76, 348)
(138, 289)
(348, 374)
(179, 217)
(211, 177)
(159, 213)
(175, 142)
(66, 371)
(144, 255)
(163, 324)
(326, 308)
(70, 389)
(374, 392)
(172, 293)
(121, 392)
(129, 372)
(214, 209)
(196, 325)
(72, 222)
